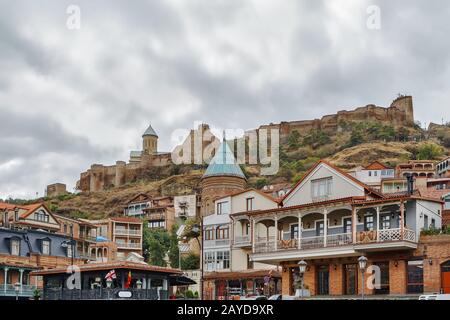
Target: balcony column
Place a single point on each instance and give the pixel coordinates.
(232, 232)
(299, 236)
(325, 227)
(253, 234)
(6, 278)
(378, 224)
(402, 219)
(21, 279)
(276, 233)
(354, 221)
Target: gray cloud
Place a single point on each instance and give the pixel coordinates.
(72, 98)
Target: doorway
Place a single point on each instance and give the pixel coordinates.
(445, 276)
(323, 280)
(351, 279)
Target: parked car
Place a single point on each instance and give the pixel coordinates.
(435, 296)
(255, 298)
(276, 297)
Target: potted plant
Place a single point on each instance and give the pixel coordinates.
(298, 288)
(36, 294)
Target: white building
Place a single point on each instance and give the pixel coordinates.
(372, 174)
(185, 206)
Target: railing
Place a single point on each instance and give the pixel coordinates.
(339, 239)
(9, 290)
(125, 232)
(312, 242)
(216, 243)
(129, 245)
(287, 244)
(265, 245)
(242, 240)
(103, 294)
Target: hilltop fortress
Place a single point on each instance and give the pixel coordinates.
(100, 177)
(399, 113)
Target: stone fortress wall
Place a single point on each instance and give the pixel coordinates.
(399, 113)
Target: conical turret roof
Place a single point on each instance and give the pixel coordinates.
(224, 163)
(150, 132)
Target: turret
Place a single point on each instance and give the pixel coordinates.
(150, 141)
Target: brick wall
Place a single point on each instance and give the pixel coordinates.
(397, 276)
(286, 281)
(336, 279)
(310, 279)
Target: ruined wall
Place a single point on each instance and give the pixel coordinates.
(399, 113)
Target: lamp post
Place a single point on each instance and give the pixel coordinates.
(196, 229)
(17, 289)
(109, 282)
(362, 261)
(302, 269)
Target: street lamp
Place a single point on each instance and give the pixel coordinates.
(302, 269)
(139, 284)
(362, 261)
(17, 289)
(196, 229)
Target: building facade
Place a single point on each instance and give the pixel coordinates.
(329, 219)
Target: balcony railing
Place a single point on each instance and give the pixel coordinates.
(103, 294)
(264, 245)
(242, 240)
(128, 245)
(216, 243)
(127, 232)
(9, 290)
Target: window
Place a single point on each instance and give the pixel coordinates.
(222, 233)
(433, 224)
(321, 188)
(46, 247)
(370, 173)
(368, 223)
(294, 231)
(209, 234)
(385, 222)
(15, 247)
(69, 251)
(223, 260)
(425, 222)
(447, 203)
(42, 216)
(247, 229)
(319, 228)
(375, 173)
(222, 207)
(157, 224)
(249, 204)
(71, 229)
(415, 276)
(65, 228)
(347, 225)
(209, 261)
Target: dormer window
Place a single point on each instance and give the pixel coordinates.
(41, 215)
(15, 247)
(45, 247)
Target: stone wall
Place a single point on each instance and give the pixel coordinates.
(399, 113)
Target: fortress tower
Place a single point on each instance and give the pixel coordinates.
(149, 141)
(223, 177)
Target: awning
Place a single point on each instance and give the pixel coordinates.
(175, 280)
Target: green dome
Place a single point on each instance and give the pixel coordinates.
(224, 164)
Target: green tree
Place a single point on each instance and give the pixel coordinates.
(156, 243)
(429, 151)
(190, 262)
(174, 250)
(355, 138)
(294, 139)
(260, 183)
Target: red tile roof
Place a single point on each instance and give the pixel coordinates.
(342, 172)
(376, 165)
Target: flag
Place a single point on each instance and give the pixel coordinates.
(128, 283)
(111, 275)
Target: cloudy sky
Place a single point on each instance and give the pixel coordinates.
(73, 97)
